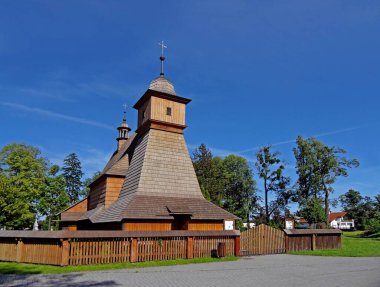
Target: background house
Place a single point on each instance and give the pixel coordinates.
(337, 220)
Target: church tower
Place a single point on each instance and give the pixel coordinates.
(160, 107)
(153, 185)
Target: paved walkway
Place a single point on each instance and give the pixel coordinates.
(271, 270)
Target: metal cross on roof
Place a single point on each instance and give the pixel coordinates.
(162, 58)
(162, 47)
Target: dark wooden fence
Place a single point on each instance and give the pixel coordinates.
(312, 239)
(94, 247)
(261, 240)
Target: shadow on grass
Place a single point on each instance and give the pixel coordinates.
(13, 268)
(62, 280)
(361, 234)
(374, 235)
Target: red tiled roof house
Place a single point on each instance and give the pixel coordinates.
(337, 220)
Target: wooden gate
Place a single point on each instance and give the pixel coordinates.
(262, 240)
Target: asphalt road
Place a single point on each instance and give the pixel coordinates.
(271, 270)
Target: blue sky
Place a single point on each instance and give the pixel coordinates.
(258, 72)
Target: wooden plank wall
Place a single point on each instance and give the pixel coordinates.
(262, 240)
(203, 246)
(43, 251)
(153, 249)
(99, 250)
(83, 251)
(141, 225)
(328, 242)
(299, 243)
(201, 225)
(8, 249)
(159, 111)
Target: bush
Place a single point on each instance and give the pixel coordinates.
(373, 225)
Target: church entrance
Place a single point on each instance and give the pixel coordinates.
(181, 222)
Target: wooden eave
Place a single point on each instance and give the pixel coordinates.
(160, 125)
(104, 175)
(151, 93)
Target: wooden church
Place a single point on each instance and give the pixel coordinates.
(149, 183)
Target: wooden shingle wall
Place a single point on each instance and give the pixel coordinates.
(167, 169)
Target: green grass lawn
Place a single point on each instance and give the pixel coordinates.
(20, 268)
(354, 244)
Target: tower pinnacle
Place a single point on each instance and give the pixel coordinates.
(123, 130)
(162, 58)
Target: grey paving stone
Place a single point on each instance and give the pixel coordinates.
(272, 270)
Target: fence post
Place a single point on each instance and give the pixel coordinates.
(286, 243)
(190, 253)
(65, 248)
(133, 250)
(313, 243)
(20, 250)
(237, 245)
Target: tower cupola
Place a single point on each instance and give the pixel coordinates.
(123, 131)
(160, 107)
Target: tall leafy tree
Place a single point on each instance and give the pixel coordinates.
(53, 197)
(313, 210)
(202, 162)
(72, 172)
(271, 170)
(351, 202)
(318, 167)
(358, 207)
(377, 202)
(240, 197)
(210, 174)
(22, 176)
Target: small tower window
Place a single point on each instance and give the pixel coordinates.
(143, 114)
(168, 111)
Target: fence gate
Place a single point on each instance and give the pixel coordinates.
(262, 240)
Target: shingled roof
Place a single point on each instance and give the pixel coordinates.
(119, 162)
(160, 176)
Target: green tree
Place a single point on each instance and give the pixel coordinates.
(210, 174)
(359, 208)
(271, 171)
(22, 176)
(352, 203)
(377, 202)
(53, 197)
(72, 172)
(318, 167)
(240, 197)
(313, 211)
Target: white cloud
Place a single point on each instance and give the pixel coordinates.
(294, 140)
(56, 115)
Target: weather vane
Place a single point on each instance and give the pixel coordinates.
(125, 112)
(162, 58)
